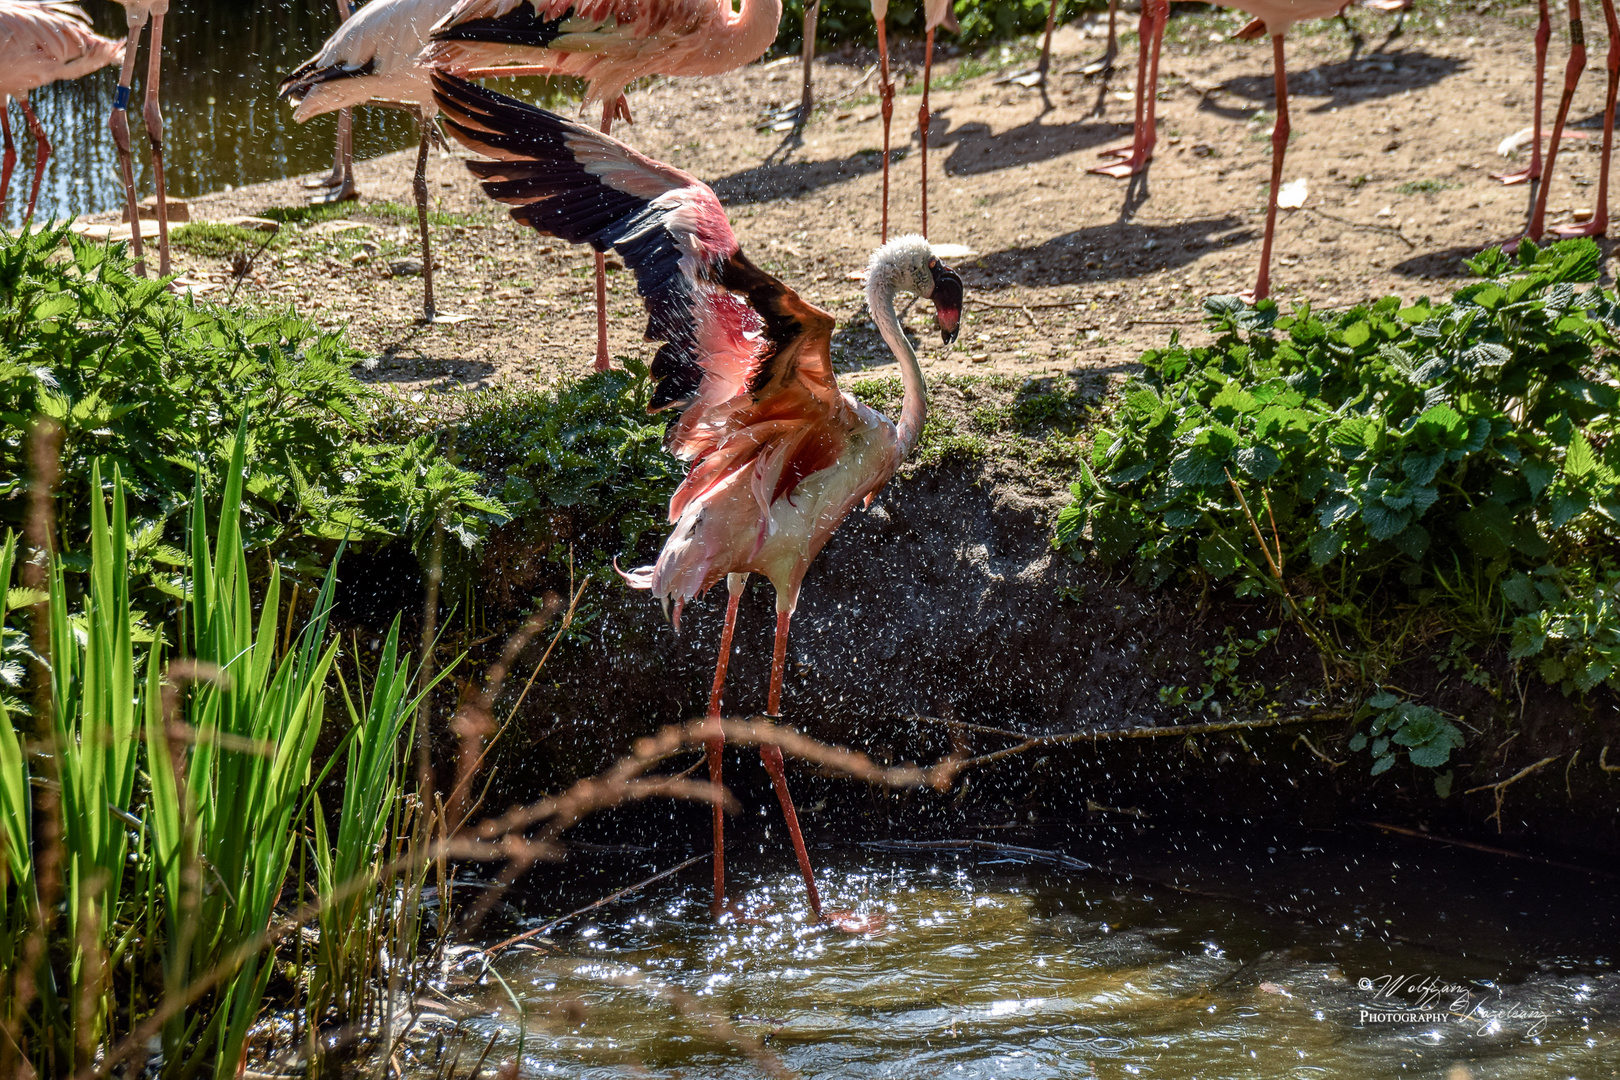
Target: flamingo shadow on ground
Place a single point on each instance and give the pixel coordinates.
(1338, 85)
(1447, 263)
(785, 179)
(1106, 253)
(976, 149)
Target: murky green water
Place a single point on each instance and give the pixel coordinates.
(1216, 959)
(222, 61)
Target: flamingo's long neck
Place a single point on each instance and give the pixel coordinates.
(880, 290)
(747, 33)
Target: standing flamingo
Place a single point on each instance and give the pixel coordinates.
(1598, 225)
(42, 41)
(137, 13)
(937, 13)
(1271, 17)
(779, 455)
(339, 183)
(372, 59)
(609, 43)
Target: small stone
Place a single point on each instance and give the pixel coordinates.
(359, 259)
(178, 210)
(979, 357)
(1583, 213)
(253, 224)
(405, 268)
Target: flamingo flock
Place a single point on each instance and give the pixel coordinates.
(777, 454)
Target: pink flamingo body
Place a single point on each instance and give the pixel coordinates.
(609, 43)
(778, 455)
(42, 41)
(374, 58)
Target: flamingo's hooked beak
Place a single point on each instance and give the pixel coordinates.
(947, 299)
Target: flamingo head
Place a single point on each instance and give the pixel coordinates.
(947, 297)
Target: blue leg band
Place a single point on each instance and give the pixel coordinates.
(121, 98)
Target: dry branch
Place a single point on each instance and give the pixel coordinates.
(1499, 789)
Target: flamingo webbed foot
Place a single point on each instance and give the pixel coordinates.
(337, 193)
(1132, 164)
(1590, 227)
(1524, 175)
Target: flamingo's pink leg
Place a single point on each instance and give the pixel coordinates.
(1533, 170)
(154, 130)
(602, 361)
(807, 99)
(1279, 149)
(42, 154)
(1599, 225)
(886, 92)
(922, 124)
(772, 757)
(1572, 76)
(118, 123)
(716, 745)
(1155, 13)
(9, 161)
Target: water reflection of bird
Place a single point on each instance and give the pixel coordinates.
(1272, 18)
(41, 42)
(609, 43)
(778, 454)
(339, 183)
(372, 59)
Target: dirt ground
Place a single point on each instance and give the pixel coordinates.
(1073, 271)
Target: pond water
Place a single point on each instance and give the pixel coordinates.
(222, 62)
(1257, 956)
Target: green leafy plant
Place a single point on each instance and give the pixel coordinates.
(1396, 727)
(154, 384)
(843, 21)
(581, 467)
(1221, 664)
(1350, 461)
(1570, 624)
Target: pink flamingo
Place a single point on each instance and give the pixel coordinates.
(779, 455)
(372, 59)
(137, 13)
(42, 41)
(609, 43)
(1598, 225)
(1272, 17)
(339, 183)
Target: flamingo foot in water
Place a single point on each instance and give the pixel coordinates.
(850, 922)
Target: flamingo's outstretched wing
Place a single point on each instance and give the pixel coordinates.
(745, 358)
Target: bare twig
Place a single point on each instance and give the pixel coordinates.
(1603, 761)
(1499, 789)
(1418, 834)
(1393, 230)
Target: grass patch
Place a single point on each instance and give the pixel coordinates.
(212, 240)
(1430, 186)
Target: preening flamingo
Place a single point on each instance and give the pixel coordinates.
(609, 43)
(42, 41)
(137, 13)
(778, 454)
(372, 59)
(339, 183)
(1598, 225)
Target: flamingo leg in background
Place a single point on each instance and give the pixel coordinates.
(1155, 13)
(119, 124)
(342, 175)
(886, 93)
(1046, 45)
(812, 12)
(1599, 225)
(602, 360)
(9, 161)
(154, 130)
(42, 154)
(1279, 148)
(922, 124)
(1532, 172)
(716, 745)
(1572, 76)
(419, 186)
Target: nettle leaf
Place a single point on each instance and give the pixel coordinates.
(1382, 522)
(1258, 462)
(1325, 545)
(1412, 541)
(1421, 468)
(1579, 459)
(1234, 400)
(1197, 467)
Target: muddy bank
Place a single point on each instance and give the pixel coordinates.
(946, 602)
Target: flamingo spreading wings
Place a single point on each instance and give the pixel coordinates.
(42, 41)
(778, 455)
(609, 43)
